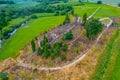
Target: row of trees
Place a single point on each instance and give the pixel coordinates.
(6, 2)
(48, 50)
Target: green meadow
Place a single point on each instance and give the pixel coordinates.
(12, 46)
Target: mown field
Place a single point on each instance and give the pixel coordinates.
(108, 67)
(25, 34)
(108, 11)
(105, 10)
(88, 8)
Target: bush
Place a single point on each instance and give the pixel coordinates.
(53, 55)
(35, 70)
(69, 35)
(99, 2)
(3, 76)
(57, 51)
(93, 28)
(39, 51)
(63, 57)
(33, 45)
(33, 17)
(65, 47)
(119, 4)
(58, 44)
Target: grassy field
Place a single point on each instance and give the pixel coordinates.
(25, 34)
(105, 10)
(88, 8)
(18, 20)
(108, 11)
(106, 63)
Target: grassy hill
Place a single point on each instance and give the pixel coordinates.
(25, 34)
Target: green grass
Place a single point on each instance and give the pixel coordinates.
(69, 3)
(108, 11)
(105, 58)
(18, 20)
(25, 34)
(88, 8)
(105, 10)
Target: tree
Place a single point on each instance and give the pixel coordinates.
(99, 2)
(33, 45)
(63, 56)
(3, 76)
(67, 19)
(39, 51)
(93, 28)
(69, 35)
(3, 21)
(84, 19)
(65, 47)
(119, 4)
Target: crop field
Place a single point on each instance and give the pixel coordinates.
(25, 34)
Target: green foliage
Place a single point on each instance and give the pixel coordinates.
(65, 47)
(63, 57)
(33, 17)
(69, 35)
(35, 70)
(3, 76)
(44, 41)
(58, 44)
(3, 21)
(84, 19)
(93, 28)
(33, 45)
(119, 4)
(67, 19)
(39, 51)
(99, 2)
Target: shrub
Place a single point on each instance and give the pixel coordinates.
(35, 70)
(33, 45)
(57, 51)
(99, 2)
(3, 76)
(63, 57)
(33, 17)
(65, 47)
(119, 4)
(69, 35)
(39, 51)
(58, 44)
(52, 55)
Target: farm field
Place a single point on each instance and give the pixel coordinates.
(25, 34)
